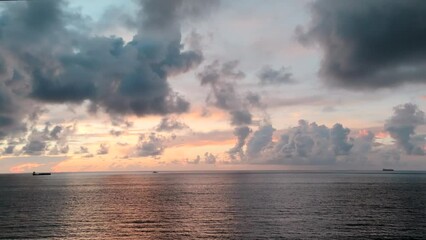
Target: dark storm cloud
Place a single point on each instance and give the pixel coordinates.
(402, 125)
(269, 76)
(48, 54)
(369, 44)
(12, 111)
(2, 65)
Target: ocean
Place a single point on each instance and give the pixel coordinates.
(214, 205)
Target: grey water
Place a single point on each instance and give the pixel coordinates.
(214, 205)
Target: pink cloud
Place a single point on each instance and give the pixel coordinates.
(25, 167)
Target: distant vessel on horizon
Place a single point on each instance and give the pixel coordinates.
(387, 170)
(42, 173)
(154, 172)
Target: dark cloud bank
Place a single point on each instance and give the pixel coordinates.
(310, 143)
(307, 143)
(48, 55)
(225, 94)
(369, 44)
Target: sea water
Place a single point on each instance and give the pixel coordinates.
(214, 205)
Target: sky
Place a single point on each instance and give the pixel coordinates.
(212, 85)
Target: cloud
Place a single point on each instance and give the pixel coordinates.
(194, 40)
(240, 117)
(103, 149)
(241, 133)
(205, 138)
(314, 100)
(339, 139)
(12, 109)
(328, 109)
(224, 95)
(197, 160)
(9, 150)
(115, 19)
(313, 144)
(254, 100)
(37, 141)
(55, 131)
(269, 76)
(305, 144)
(82, 150)
(361, 147)
(150, 145)
(56, 150)
(169, 124)
(45, 163)
(25, 167)
(369, 44)
(260, 139)
(401, 127)
(48, 54)
(35, 147)
(115, 133)
(229, 70)
(209, 158)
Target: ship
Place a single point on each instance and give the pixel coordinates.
(387, 170)
(41, 173)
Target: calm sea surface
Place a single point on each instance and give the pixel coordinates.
(218, 205)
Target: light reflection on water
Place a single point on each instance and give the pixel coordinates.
(228, 205)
